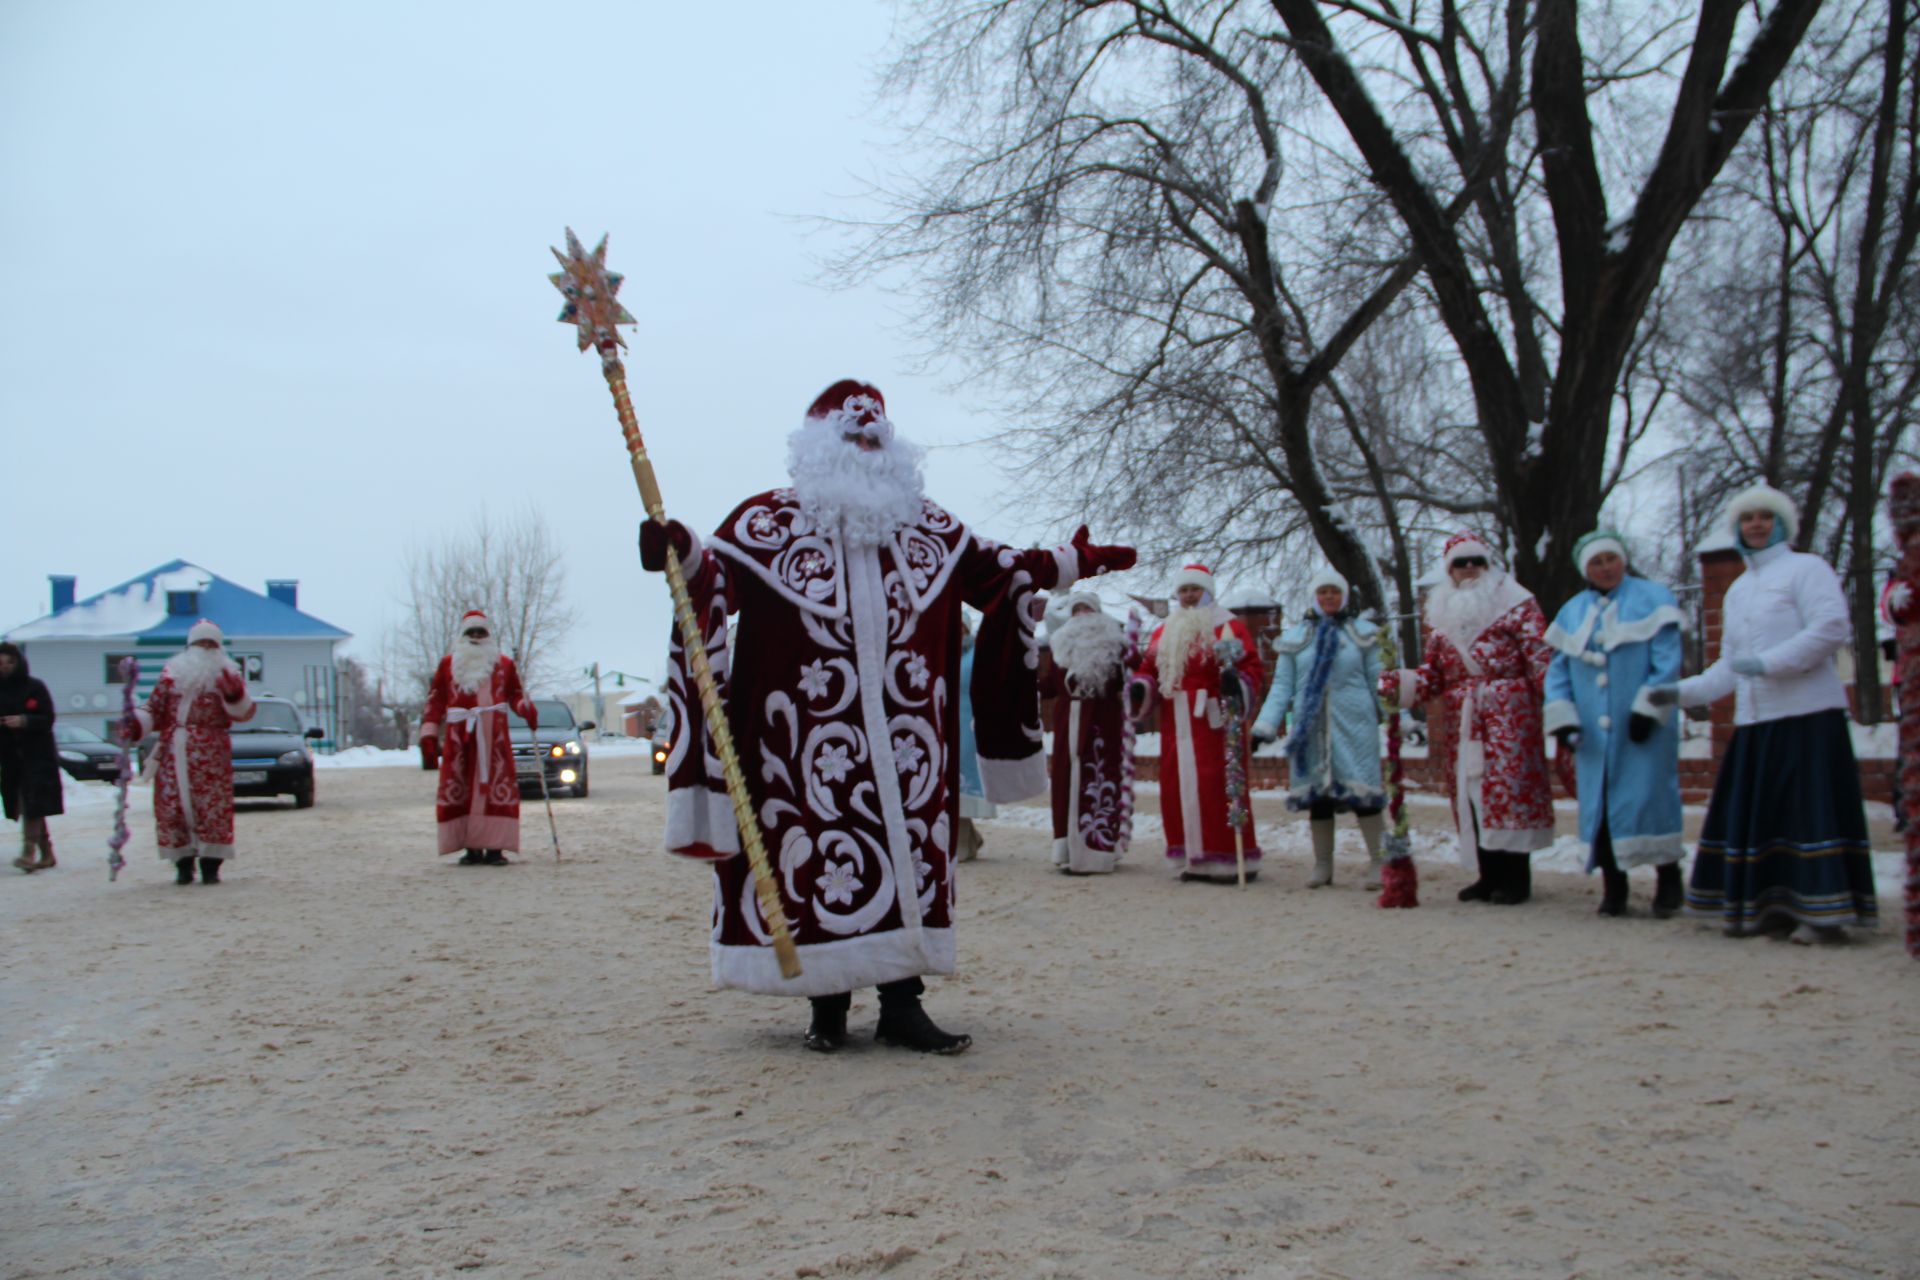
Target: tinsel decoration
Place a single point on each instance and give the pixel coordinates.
(129, 677)
(1129, 660)
(1228, 653)
(1399, 882)
(1902, 605)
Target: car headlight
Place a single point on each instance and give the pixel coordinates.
(296, 756)
(573, 748)
(660, 757)
(73, 757)
(556, 750)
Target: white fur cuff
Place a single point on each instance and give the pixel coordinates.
(1643, 705)
(1559, 714)
(1011, 781)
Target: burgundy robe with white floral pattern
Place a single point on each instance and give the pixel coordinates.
(1092, 771)
(192, 770)
(1493, 693)
(840, 676)
(477, 804)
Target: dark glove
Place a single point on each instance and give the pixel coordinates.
(654, 538)
(231, 686)
(1640, 728)
(1233, 691)
(1138, 691)
(430, 752)
(1663, 695)
(1568, 738)
(1098, 559)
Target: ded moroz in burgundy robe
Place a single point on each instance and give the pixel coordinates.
(192, 769)
(1091, 766)
(840, 680)
(478, 801)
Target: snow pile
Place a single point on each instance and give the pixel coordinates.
(135, 607)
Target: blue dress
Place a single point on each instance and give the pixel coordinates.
(973, 793)
(1609, 649)
(1333, 752)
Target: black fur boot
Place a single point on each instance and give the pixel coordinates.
(905, 1025)
(472, 858)
(183, 870)
(1482, 889)
(1613, 897)
(828, 1030)
(1669, 894)
(209, 871)
(1515, 883)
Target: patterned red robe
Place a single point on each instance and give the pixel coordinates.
(1193, 754)
(192, 770)
(1492, 688)
(840, 678)
(1091, 771)
(478, 802)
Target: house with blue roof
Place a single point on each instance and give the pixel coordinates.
(78, 647)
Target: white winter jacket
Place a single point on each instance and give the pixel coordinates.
(1787, 610)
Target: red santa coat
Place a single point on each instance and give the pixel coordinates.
(1193, 753)
(1092, 771)
(1492, 688)
(192, 769)
(839, 677)
(478, 802)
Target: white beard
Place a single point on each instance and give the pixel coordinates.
(1186, 631)
(1088, 648)
(473, 662)
(195, 671)
(865, 494)
(1462, 611)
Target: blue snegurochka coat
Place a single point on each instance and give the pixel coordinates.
(1343, 748)
(1609, 650)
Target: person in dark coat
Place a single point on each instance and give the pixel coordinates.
(29, 767)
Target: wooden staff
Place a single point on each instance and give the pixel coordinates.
(593, 308)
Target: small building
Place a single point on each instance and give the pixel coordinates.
(77, 647)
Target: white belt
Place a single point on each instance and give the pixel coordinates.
(482, 740)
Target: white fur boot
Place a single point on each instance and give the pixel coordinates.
(1322, 852)
(1370, 827)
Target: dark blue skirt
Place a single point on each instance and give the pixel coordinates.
(1786, 832)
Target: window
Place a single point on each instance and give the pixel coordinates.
(182, 603)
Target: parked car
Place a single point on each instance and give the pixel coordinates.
(661, 742)
(84, 754)
(270, 753)
(557, 747)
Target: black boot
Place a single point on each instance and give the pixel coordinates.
(209, 871)
(1669, 895)
(494, 858)
(1613, 894)
(828, 1031)
(183, 870)
(1482, 889)
(1515, 883)
(472, 858)
(905, 1025)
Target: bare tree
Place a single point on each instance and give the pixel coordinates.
(1109, 231)
(1543, 287)
(1805, 374)
(513, 570)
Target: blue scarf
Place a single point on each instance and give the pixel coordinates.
(1326, 638)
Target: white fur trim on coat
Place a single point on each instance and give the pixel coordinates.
(1011, 781)
(829, 968)
(1559, 714)
(1643, 705)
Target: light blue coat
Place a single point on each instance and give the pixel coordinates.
(1343, 742)
(1608, 650)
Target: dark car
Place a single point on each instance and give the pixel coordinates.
(270, 754)
(84, 754)
(661, 742)
(557, 747)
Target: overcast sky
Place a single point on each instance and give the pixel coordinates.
(273, 290)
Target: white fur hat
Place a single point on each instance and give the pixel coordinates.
(1062, 604)
(204, 630)
(1762, 497)
(1327, 577)
(1193, 575)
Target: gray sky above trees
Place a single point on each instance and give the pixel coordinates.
(276, 301)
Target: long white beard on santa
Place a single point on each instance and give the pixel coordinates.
(1088, 648)
(473, 662)
(1463, 610)
(1186, 631)
(867, 493)
(195, 670)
